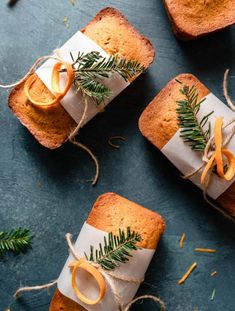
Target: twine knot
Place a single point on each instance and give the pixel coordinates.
(109, 276)
(213, 159)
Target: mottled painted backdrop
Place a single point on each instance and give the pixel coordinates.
(47, 191)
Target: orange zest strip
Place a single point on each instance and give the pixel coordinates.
(207, 169)
(183, 238)
(231, 164)
(217, 157)
(186, 275)
(83, 264)
(205, 250)
(59, 94)
(55, 80)
(218, 145)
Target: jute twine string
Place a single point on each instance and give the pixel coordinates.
(31, 71)
(56, 56)
(210, 148)
(108, 277)
(228, 98)
(33, 288)
(82, 146)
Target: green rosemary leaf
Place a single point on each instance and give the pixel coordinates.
(116, 249)
(16, 240)
(192, 131)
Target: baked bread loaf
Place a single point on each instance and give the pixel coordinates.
(109, 213)
(158, 123)
(195, 18)
(115, 35)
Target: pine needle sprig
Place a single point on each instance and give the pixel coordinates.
(115, 250)
(91, 68)
(16, 240)
(192, 131)
(94, 89)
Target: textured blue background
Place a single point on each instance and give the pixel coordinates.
(47, 191)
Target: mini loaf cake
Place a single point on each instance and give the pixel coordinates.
(158, 123)
(195, 18)
(115, 35)
(109, 213)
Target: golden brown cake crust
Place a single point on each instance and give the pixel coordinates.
(119, 37)
(50, 126)
(61, 303)
(112, 31)
(195, 18)
(110, 212)
(158, 122)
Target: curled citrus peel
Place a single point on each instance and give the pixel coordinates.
(55, 81)
(83, 264)
(217, 157)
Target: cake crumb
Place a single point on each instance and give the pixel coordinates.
(66, 21)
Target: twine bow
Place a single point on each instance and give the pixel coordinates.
(101, 276)
(213, 158)
(215, 153)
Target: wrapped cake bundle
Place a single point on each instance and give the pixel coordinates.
(109, 278)
(195, 131)
(195, 18)
(98, 62)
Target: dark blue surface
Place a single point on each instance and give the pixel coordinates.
(47, 191)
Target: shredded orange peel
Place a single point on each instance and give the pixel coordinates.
(217, 158)
(55, 83)
(182, 240)
(186, 275)
(213, 273)
(205, 250)
(83, 264)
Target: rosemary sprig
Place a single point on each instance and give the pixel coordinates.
(91, 68)
(192, 131)
(16, 240)
(116, 249)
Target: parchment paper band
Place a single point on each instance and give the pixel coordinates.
(187, 161)
(135, 268)
(72, 102)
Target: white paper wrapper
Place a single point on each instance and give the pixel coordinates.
(187, 161)
(135, 268)
(72, 102)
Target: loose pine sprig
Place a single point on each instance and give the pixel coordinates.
(16, 240)
(92, 67)
(116, 249)
(192, 131)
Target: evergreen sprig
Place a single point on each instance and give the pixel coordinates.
(115, 250)
(16, 240)
(192, 131)
(91, 68)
